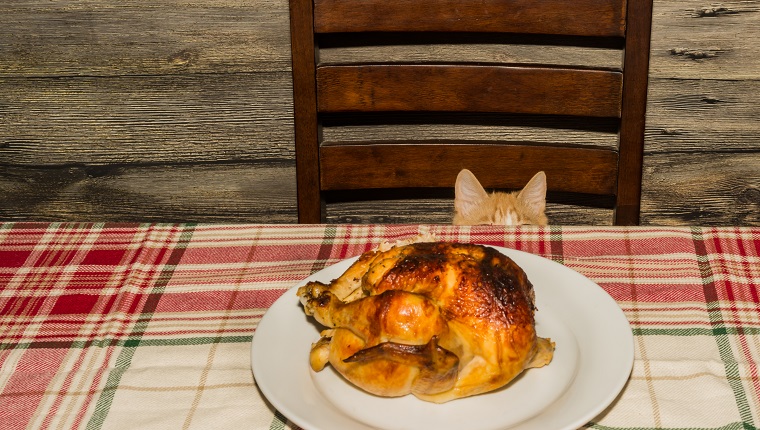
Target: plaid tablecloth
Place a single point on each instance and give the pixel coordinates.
(149, 326)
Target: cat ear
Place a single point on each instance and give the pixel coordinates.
(468, 193)
(533, 196)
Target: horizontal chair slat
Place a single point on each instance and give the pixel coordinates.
(469, 88)
(599, 18)
(436, 164)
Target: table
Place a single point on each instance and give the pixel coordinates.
(149, 325)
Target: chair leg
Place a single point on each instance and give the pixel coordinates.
(626, 215)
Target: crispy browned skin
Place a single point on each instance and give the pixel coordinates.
(438, 320)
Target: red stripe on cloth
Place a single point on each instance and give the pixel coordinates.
(748, 268)
(724, 287)
(23, 305)
(731, 292)
(75, 304)
(28, 385)
(724, 262)
(218, 300)
(103, 257)
(648, 293)
(222, 254)
(531, 239)
(14, 258)
(595, 246)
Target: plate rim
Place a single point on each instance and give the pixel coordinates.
(613, 390)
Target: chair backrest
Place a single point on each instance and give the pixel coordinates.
(388, 89)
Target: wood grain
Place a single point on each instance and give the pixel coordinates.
(439, 211)
(633, 113)
(135, 37)
(146, 119)
(166, 193)
(591, 17)
(502, 128)
(469, 88)
(702, 188)
(310, 207)
(513, 53)
(128, 85)
(694, 39)
(703, 116)
(436, 164)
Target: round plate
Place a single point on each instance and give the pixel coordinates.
(591, 364)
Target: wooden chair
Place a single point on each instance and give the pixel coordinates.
(614, 95)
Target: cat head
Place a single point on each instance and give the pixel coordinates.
(474, 206)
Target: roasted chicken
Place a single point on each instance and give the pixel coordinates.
(438, 320)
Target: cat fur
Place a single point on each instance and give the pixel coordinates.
(474, 206)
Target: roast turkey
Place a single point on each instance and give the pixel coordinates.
(438, 320)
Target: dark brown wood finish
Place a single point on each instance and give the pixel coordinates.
(604, 18)
(634, 102)
(469, 88)
(436, 165)
(484, 87)
(310, 205)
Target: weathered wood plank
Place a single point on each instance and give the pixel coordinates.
(136, 37)
(705, 40)
(218, 147)
(439, 211)
(702, 189)
(690, 39)
(192, 118)
(699, 115)
(476, 53)
(171, 193)
(530, 131)
(72, 142)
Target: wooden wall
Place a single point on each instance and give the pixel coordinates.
(177, 110)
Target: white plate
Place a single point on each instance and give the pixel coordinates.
(592, 363)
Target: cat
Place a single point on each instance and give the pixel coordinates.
(474, 206)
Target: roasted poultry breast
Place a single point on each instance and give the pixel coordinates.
(438, 320)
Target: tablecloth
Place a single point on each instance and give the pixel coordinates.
(125, 326)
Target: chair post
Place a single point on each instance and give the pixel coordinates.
(633, 114)
(305, 112)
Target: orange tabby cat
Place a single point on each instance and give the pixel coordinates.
(473, 205)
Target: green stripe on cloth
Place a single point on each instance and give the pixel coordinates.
(325, 248)
(734, 331)
(278, 421)
(104, 343)
(555, 244)
(732, 426)
(719, 331)
(125, 357)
